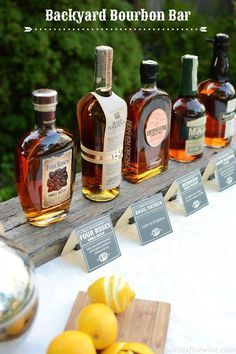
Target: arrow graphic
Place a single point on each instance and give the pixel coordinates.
(203, 29)
(28, 29)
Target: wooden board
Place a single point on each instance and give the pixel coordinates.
(44, 244)
(143, 321)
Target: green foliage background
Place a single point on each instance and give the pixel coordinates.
(65, 60)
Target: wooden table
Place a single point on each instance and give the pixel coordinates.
(44, 244)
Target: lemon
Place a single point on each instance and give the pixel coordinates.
(128, 348)
(98, 321)
(112, 291)
(71, 342)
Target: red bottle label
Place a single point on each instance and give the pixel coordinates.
(56, 179)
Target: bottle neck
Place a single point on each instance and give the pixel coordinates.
(148, 86)
(45, 120)
(103, 76)
(220, 67)
(188, 82)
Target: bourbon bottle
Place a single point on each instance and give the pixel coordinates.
(188, 116)
(147, 130)
(218, 96)
(101, 119)
(45, 164)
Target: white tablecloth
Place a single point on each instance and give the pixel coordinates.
(194, 269)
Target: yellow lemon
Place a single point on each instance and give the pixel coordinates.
(114, 348)
(138, 348)
(71, 342)
(98, 321)
(128, 348)
(112, 291)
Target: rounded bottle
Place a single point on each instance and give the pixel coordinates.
(45, 164)
(218, 96)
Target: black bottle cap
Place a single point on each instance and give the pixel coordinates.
(148, 71)
(220, 42)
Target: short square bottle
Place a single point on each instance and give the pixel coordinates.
(147, 130)
(45, 164)
(188, 119)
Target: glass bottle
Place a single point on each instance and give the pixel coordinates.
(147, 130)
(101, 119)
(45, 164)
(188, 116)
(218, 96)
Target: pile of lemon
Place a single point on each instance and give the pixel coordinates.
(97, 325)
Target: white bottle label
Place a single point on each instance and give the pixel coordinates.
(228, 119)
(195, 140)
(231, 105)
(115, 111)
(56, 179)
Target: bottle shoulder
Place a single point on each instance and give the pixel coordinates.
(224, 90)
(43, 142)
(191, 107)
(88, 107)
(141, 95)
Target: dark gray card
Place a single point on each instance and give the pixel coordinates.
(151, 218)
(225, 169)
(192, 192)
(98, 242)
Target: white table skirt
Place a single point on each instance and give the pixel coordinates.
(194, 269)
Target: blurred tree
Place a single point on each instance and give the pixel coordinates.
(63, 61)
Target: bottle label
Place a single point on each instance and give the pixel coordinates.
(156, 127)
(56, 179)
(228, 120)
(128, 144)
(115, 111)
(194, 135)
(222, 107)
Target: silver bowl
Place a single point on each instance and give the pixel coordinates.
(18, 290)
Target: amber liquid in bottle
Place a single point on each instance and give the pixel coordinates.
(45, 167)
(218, 96)
(147, 129)
(188, 116)
(101, 170)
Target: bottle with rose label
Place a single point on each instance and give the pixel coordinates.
(101, 119)
(147, 130)
(188, 116)
(45, 164)
(218, 96)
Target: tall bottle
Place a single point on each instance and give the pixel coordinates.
(45, 164)
(218, 96)
(188, 116)
(147, 130)
(101, 119)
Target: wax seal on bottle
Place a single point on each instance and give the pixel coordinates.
(18, 290)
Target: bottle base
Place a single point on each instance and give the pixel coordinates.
(180, 156)
(132, 177)
(47, 219)
(217, 143)
(96, 194)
